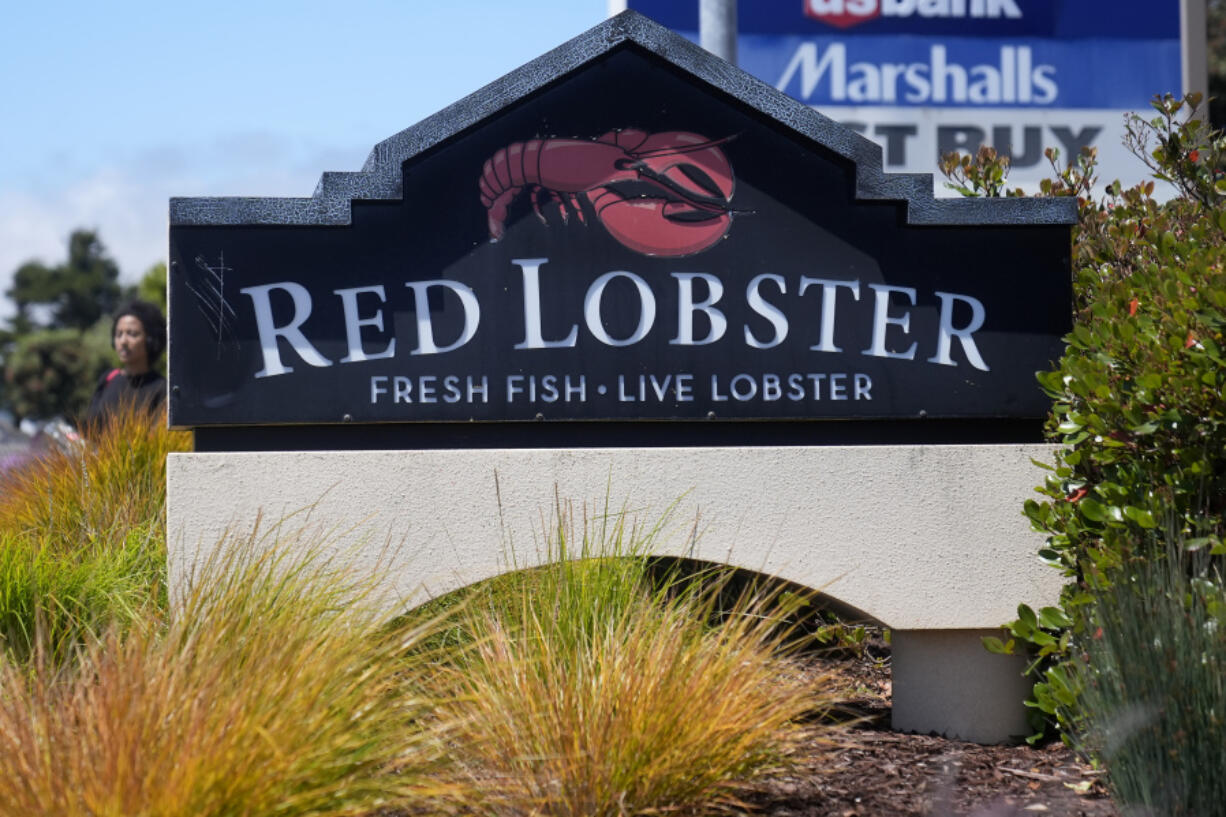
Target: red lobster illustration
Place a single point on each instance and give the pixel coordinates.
(663, 194)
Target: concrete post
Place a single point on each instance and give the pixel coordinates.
(946, 682)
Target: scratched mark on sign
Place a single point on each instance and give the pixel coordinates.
(210, 292)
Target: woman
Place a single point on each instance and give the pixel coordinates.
(138, 336)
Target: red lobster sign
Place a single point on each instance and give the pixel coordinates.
(662, 194)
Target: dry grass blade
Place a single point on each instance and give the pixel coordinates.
(97, 491)
(652, 708)
(273, 691)
(82, 537)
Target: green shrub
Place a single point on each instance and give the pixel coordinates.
(1139, 408)
(53, 372)
(1140, 394)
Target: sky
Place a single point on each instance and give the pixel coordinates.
(109, 109)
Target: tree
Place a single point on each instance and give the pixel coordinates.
(58, 342)
(71, 295)
(53, 372)
(152, 287)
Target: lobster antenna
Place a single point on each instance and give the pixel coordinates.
(686, 149)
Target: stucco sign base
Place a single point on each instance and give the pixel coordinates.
(929, 540)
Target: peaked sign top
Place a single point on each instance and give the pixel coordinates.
(381, 178)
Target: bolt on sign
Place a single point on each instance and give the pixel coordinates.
(626, 229)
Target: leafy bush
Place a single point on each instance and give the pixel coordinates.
(1139, 408)
(54, 372)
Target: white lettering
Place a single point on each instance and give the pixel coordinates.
(771, 389)
(291, 332)
(595, 321)
(829, 297)
(354, 324)
(882, 321)
(833, 75)
(426, 342)
(838, 386)
(947, 332)
(378, 386)
(767, 310)
(533, 338)
(941, 71)
(686, 307)
(812, 70)
(743, 387)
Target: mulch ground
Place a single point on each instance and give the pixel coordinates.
(866, 770)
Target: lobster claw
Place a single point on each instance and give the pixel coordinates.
(665, 194)
(658, 227)
(680, 205)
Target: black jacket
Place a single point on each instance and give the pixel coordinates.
(116, 389)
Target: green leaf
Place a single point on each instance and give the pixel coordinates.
(993, 644)
(1093, 510)
(1142, 517)
(1051, 557)
(1198, 543)
(1150, 381)
(1053, 618)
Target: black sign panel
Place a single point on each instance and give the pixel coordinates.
(625, 243)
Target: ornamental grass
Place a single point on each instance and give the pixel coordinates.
(1152, 706)
(600, 684)
(274, 690)
(82, 536)
(96, 490)
(594, 687)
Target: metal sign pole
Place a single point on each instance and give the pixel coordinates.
(1193, 54)
(717, 28)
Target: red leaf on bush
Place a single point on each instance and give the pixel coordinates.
(1076, 495)
(1191, 341)
(1132, 306)
(1194, 155)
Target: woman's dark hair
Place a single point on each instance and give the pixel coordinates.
(151, 319)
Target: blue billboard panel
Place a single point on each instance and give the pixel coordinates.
(963, 71)
(1056, 19)
(922, 77)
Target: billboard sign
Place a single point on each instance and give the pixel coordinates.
(587, 253)
(924, 77)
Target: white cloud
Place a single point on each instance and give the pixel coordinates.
(126, 201)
